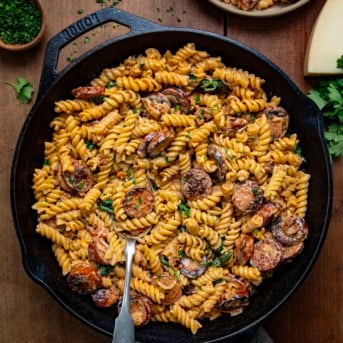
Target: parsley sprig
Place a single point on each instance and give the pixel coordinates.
(23, 89)
(328, 96)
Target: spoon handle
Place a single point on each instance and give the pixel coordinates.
(124, 330)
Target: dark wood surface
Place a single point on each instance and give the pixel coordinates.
(27, 312)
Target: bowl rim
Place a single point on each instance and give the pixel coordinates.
(36, 40)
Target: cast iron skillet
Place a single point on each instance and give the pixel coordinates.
(306, 121)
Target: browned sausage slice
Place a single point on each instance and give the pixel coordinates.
(139, 310)
(278, 120)
(289, 228)
(159, 143)
(106, 297)
(178, 97)
(83, 278)
(235, 124)
(202, 114)
(88, 92)
(156, 104)
(196, 184)
(247, 197)
(173, 295)
(81, 180)
(214, 153)
(292, 251)
(244, 246)
(138, 202)
(191, 268)
(97, 249)
(269, 211)
(142, 148)
(267, 254)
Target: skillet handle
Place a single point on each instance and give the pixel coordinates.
(56, 43)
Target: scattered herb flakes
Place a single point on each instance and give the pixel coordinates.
(101, 1)
(71, 59)
(192, 77)
(183, 208)
(164, 260)
(300, 153)
(46, 163)
(219, 261)
(111, 84)
(182, 228)
(86, 40)
(23, 89)
(80, 11)
(89, 145)
(106, 206)
(98, 99)
(104, 269)
(180, 253)
(212, 86)
(255, 191)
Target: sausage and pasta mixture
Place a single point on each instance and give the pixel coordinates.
(248, 5)
(190, 148)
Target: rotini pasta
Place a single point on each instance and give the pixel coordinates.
(192, 151)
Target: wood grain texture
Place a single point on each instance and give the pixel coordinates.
(27, 312)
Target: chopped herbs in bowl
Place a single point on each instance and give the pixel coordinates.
(21, 24)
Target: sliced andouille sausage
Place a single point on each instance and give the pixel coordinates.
(238, 297)
(62, 181)
(138, 202)
(292, 251)
(289, 228)
(140, 310)
(156, 104)
(267, 254)
(173, 295)
(269, 211)
(160, 143)
(191, 268)
(202, 114)
(244, 247)
(142, 148)
(83, 278)
(196, 184)
(106, 297)
(81, 180)
(164, 281)
(235, 124)
(247, 197)
(278, 120)
(88, 92)
(97, 249)
(178, 97)
(214, 153)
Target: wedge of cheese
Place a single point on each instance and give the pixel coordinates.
(326, 42)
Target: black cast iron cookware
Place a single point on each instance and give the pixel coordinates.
(306, 121)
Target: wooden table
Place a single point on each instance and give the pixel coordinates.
(27, 312)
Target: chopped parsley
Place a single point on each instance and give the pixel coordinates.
(219, 261)
(212, 86)
(89, 145)
(197, 99)
(20, 21)
(46, 163)
(86, 40)
(80, 11)
(300, 153)
(255, 191)
(192, 77)
(106, 206)
(164, 260)
(104, 269)
(111, 84)
(98, 99)
(180, 253)
(183, 208)
(140, 200)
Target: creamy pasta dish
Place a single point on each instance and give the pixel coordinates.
(190, 148)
